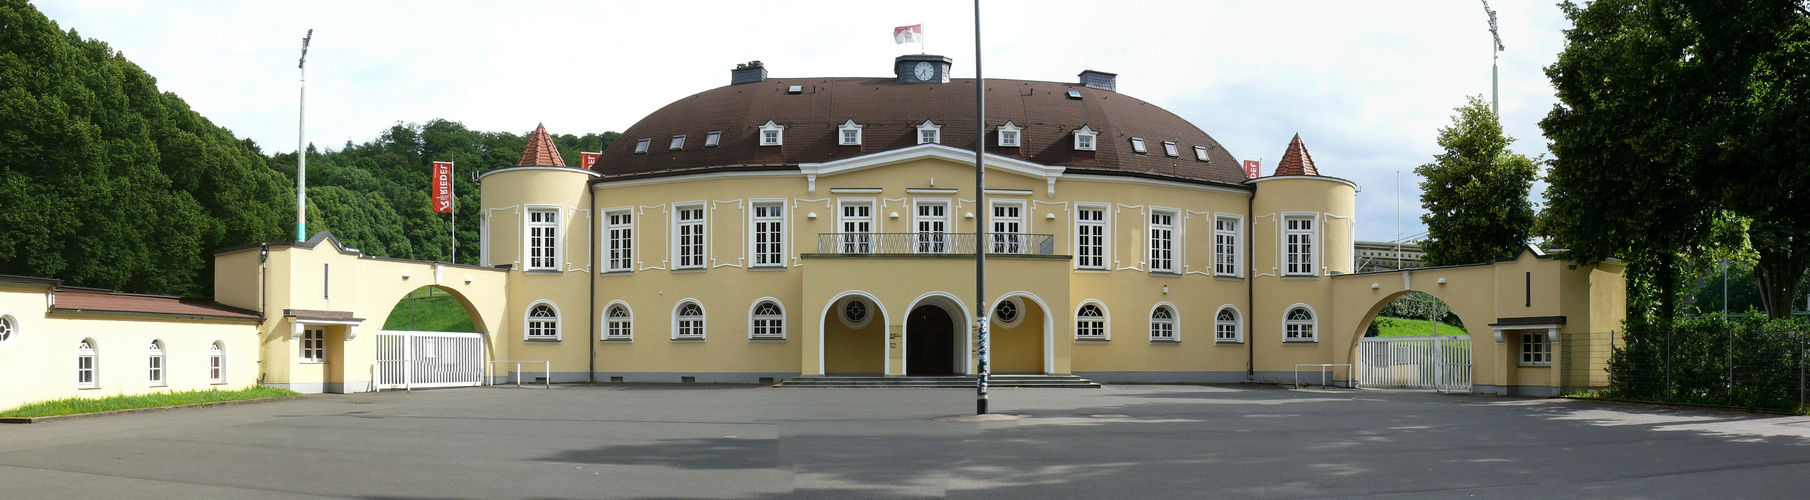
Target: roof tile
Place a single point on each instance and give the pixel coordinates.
(1296, 160)
(540, 151)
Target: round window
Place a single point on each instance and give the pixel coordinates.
(855, 312)
(1009, 312)
(7, 329)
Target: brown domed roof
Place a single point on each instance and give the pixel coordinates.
(890, 113)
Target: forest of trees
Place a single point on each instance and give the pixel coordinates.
(107, 182)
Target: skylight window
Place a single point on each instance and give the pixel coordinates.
(678, 143)
(1074, 94)
(1200, 153)
(641, 146)
(713, 139)
(795, 89)
(1137, 146)
(1169, 149)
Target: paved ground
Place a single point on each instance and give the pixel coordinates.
(661, 441)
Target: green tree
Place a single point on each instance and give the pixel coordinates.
(1475, 192)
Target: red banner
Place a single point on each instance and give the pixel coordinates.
(585, 160)
(443, 189)
(1250, 169)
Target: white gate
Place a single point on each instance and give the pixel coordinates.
(1441, 363)
(407, 360)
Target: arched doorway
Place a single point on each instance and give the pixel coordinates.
(930, 342)
(429, 339)
(1021, 329)
(854, 336)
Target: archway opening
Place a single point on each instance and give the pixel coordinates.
(1018, 333)
(431, 308)
(854, 338)
(930, 343)
(1413, 340)
(1416, 314)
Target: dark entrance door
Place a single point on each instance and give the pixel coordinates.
(930, 342)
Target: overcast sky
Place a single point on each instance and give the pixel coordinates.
(1366, 84)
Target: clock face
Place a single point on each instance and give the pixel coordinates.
(924, 71)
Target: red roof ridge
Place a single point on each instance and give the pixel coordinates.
(1296, 160)
(540, 151)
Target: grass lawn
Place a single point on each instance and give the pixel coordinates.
(1398, 327)
(73, 406)
(421, 311)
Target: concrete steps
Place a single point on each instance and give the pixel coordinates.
(948, 382)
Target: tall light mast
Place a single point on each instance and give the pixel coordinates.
(1494, 107)
(301, 147)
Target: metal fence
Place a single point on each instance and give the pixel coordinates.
(933, 243)
(1440, 363)
(1756, 365)
(407, 360)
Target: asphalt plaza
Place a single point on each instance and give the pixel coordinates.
(704, 441)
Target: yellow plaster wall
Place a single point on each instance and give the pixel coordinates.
(1334, 204)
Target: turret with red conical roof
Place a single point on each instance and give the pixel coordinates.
(540, 151)
(1296, 160)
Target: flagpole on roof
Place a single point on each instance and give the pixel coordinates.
(981, 311)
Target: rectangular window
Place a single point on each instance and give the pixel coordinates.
(713, 139)
(1008, 227)
(1298, 245)
(156, 364)
(1170, 150)
(1200, 153)
(927, 136)
(1137, 145)
(932, 220)
(619, 230)
(641, 146)
(1084, 142)
(1008, 138)
(690, 234)
(678, 143)
(769, 234)
(1535, 350)
(314, 346)
(769, 137)
(851, 137)
(543, 239)
(216, 367)
(1162, 242)
(857, 220)
(1225, 246)
(1090, 238)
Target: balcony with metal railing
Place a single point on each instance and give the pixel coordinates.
(933, 245)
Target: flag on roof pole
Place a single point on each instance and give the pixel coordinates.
(443, 198)
(586, 159)
(909, 34)
(1250, 168)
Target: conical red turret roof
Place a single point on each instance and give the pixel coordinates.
(1296, 161)
(540, 151)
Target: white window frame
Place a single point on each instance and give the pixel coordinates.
(678, 143)
(775, 256)
(610, 323)
(778, 136)
(1086, 139)
(1536, 349)
(713, 139)
(1200, 154)
(1137, 146)
(9, 329)
(528, 227)
(1313, 333)
(528, 320)
(857, 242)
(1236, 325)
(842, 137)
(1170, 150)
(1009, 130)
(1171, 263)
(643, 144)
(216, 362)
(1174, 323)
(1013, 305)
(618, 259)
(678, 322)
(1105, 247)
(87, 364)
(1234, 258)
(933, 242)
(1008, 242)
(157, 364)
(935, 133)
(1313, 249)
(754, 319)
(314, 346)
(702, 233)
(1105, 320)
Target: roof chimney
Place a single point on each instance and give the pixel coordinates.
(1100, 80)
(748, 72)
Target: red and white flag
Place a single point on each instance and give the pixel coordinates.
(443, 189)
(586, 159)
(1250, 168)
(905, 34)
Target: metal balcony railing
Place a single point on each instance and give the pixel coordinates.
(933, 243)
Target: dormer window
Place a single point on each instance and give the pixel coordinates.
(1137, 146)
(849, 134)
(772, 134)
(1170, 150)
(641, 146)
(1200, 153)
(930, 133)
(713, 139)
(678, 143)
(1084, 138)
(1008, 135)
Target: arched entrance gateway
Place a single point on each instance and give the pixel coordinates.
(930, 342)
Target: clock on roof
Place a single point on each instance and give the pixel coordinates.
(922, 69)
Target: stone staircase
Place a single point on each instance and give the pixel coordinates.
(949, 382)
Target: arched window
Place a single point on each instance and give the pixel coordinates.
(1225, 325)
(618, 323)
(543, 322)
(768, 321)
(154, 362)
(688, 321)
(87, 365)
(1298, 325)
(1162, 324)
(1090, 322)
(216, 363)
